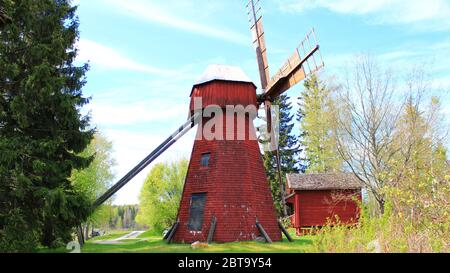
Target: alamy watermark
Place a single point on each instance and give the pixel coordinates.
(236, 122)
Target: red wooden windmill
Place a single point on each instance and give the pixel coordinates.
(226, 196)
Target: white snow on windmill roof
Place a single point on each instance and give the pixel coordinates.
(223, 72)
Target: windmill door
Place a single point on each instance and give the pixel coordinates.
(196, 211)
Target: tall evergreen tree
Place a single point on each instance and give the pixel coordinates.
(316, 124)
(288, 148)
(4, 19)
(41, 127)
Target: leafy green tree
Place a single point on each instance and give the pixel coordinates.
(41, 127)
(418, 188)
(118, 217)
(316, 124)
(288, 148)
(416, 212)
(160, 195)
(119, 224)
(96, 178)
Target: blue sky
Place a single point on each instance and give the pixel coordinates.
(145, 56)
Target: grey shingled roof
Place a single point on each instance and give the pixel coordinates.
(223, 72)
(323, 181)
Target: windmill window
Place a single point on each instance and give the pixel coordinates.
(196, 211)
(204, 162)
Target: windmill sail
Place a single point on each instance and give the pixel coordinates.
(305, 61)
(259, 43)
(294, 70)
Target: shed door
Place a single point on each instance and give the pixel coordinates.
(196, 211)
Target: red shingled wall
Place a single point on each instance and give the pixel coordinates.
(222, 93)
(237, 190)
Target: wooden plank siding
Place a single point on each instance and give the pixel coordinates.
(314, 208)
(223, 93)
(235, 182)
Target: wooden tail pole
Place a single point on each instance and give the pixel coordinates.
(280, 181)
(285, 232)
(172, 232)
(212, 229)
(263, 232)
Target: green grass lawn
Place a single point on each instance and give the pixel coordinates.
(150, 243)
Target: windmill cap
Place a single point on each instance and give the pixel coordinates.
(224, 73)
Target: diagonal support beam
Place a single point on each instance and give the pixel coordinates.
(212, 229)
(285, 232)
(172, 232)
(263, 231)
(149, 159)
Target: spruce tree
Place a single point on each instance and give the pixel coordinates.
(288, 148)
(41, 127)
(4, 19)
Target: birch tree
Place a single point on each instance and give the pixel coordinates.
(366, 123)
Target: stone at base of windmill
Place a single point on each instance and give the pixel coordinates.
(199, 244)
(260, 239)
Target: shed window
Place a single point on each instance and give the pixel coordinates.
(196, 211)
(290, 208)
(204, 162)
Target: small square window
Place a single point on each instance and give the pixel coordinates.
(204, 162)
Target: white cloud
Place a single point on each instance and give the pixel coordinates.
(341, 6)
(430, 14)
(433, 57)
(162, 12)
(107, 58)
(443, 84)
(137, 120)
(118, 114)
(444, 45)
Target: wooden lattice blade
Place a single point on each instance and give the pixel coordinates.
(259, 43)
(261, 52)
(295, 69)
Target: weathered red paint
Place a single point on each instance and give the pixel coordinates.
(313, 208)
(235, 183)
(223, 93)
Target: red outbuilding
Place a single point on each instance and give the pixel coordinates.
(314, 199)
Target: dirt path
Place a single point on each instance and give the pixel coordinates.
(130, 235)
